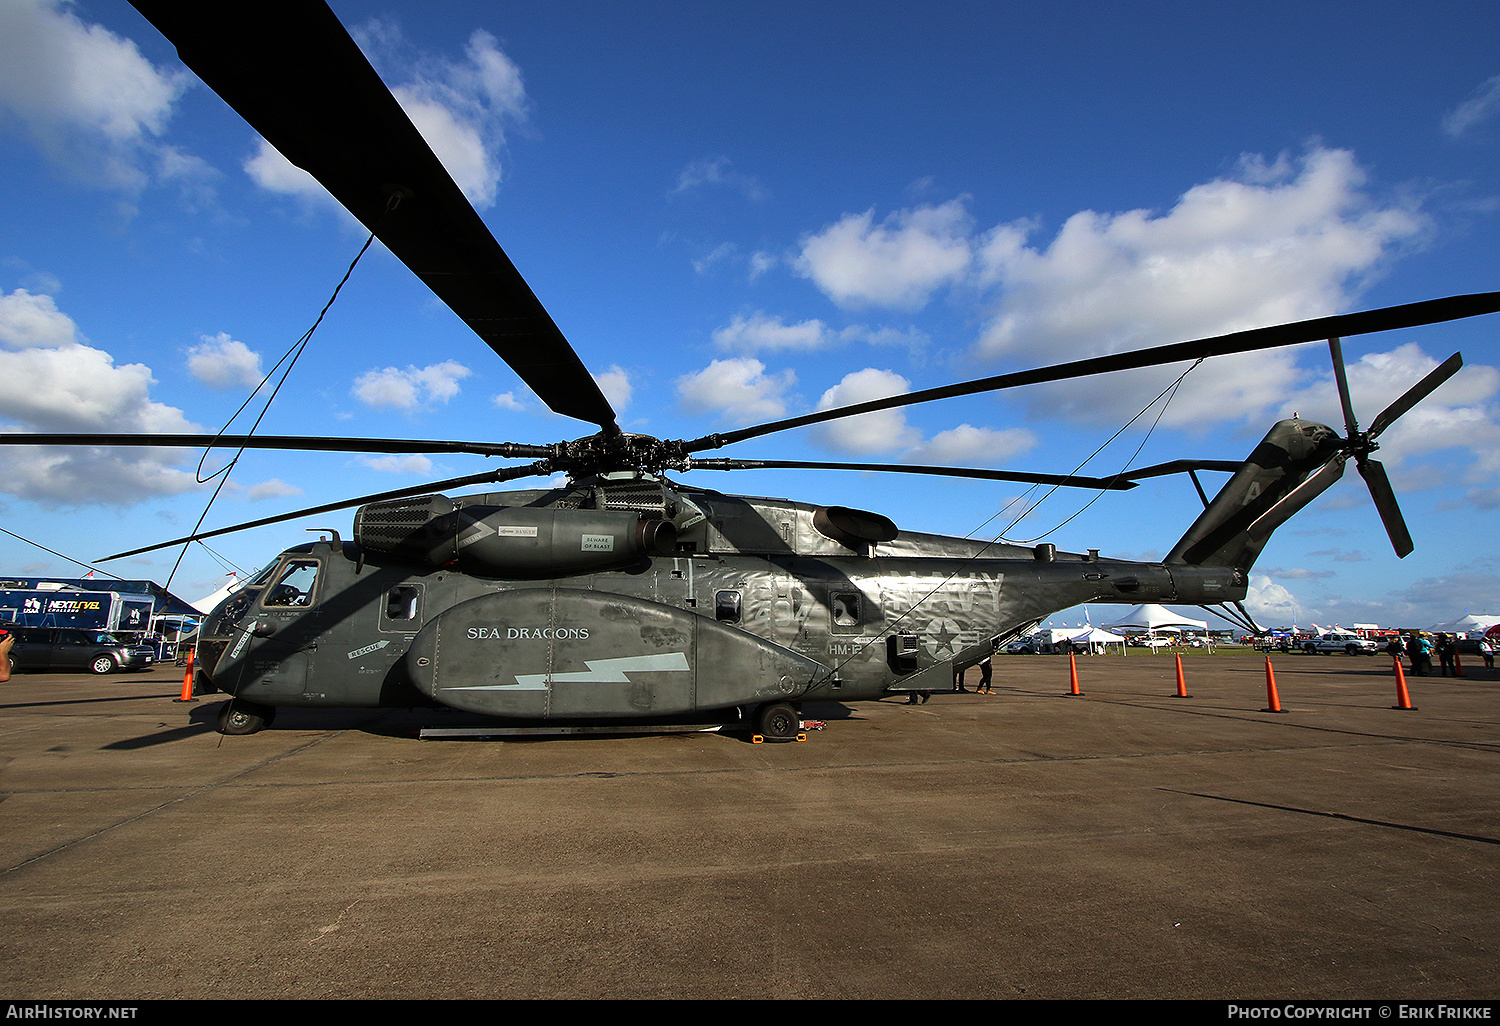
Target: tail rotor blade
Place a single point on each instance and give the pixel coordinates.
(1337, 351)
(1385, 501)
(1421, 390)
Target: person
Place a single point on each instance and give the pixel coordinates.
(1487, 650)
(985, 670)
(913, 697)
(1447, 648)
(1395, 649)
(1419, 651)
(7, 641)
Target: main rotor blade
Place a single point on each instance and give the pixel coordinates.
(505, 474)
(1181, 467)
(507, 450)
(1385, 502)
(1421, 390)
(292, 71)
(1388, 318)
(1113, 483)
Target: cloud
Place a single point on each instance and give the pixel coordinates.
(222, 362)
(1270, 603)
(28, 321)
(410, 463)
(1481, 107)
(718, 172)
(615, 384)
(86, 96)
(967, 445)
(1279, 243)
(275, 488)
(52, 381)
(897, 264)
(737, 389)
(412, 388)
(762, 333)
(461, 107)
(868, 433)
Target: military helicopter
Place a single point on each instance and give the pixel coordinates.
(624, 597)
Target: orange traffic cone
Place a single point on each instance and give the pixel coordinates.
(1073, 674)
(1271, 697)
(1181, 681)
(1403, 700)
(1458, 665)
(187, 679)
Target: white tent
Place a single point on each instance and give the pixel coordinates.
(1153, 617)
(1468, 625)
(1092, 636)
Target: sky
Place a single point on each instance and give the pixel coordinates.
(742, 212)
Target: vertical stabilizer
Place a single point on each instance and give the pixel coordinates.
(1293, 464)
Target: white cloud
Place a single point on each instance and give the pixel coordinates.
(28, 321)
(737, 389)
(760, 332)
(1482, 106)
(409, 463)
(461, 107)
(271, 171)
(883, 431)
(51, 381)
(615, 384)
(88, 97)
(967, 445)
(275, 488)
(898, 264)
(412, 388)
(718, 171)
(1270, 603)
(1283, 241)
(223, 362)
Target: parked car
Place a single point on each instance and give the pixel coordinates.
(1021, 646)
(1339, 641)
(76, 649)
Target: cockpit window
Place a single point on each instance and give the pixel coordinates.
(294, 584)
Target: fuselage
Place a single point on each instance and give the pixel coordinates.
(755, 602)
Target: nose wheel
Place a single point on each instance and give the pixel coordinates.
(778, 721)
(238, 717)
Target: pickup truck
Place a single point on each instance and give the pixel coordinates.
(1339, 641)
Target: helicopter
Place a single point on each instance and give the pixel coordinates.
(624, 597)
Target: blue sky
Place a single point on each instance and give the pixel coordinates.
(740, 212)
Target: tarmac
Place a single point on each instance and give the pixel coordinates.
(1124, 843)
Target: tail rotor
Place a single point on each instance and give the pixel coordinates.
(1360, 444)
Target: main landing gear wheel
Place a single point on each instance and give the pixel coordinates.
(238, 717)
(778, 721)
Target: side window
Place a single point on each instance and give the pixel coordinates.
(294, 584)
(845, 608)
(401, 603)
(727, 607)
